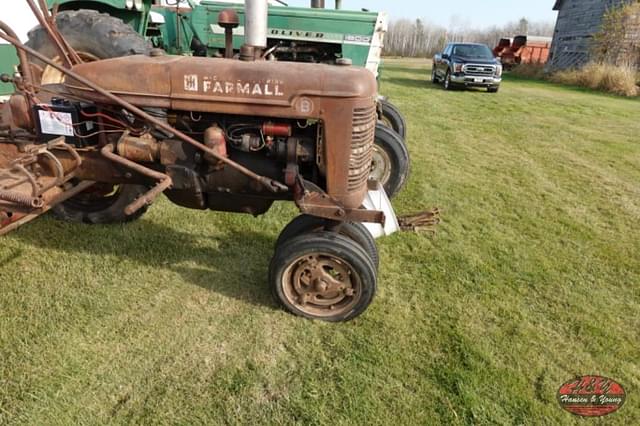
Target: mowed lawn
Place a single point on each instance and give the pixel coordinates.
(532, 278)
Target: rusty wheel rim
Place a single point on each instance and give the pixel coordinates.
(380, 165)
(322, 285)
(50, 75)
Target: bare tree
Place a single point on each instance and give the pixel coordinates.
(421, 38)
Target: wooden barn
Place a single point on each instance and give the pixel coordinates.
(578, 22)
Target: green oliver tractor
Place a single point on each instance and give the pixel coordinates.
(8, 60)
(100, 29)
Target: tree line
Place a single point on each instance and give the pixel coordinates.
(422, 39)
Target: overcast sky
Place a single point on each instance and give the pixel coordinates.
(476, 13)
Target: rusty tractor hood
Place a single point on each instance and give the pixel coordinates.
(223, 85)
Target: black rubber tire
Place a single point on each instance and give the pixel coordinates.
(448, 85)
(103, 37)
(393, 118)
(434, 76)
(329, 243)
(493, 89)
(396, 150)
(305, 224)
(106, 210)
(98, 34)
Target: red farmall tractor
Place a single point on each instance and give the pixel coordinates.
(101, 143)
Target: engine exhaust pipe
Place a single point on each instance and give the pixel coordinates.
(256, 15)
(317, 4)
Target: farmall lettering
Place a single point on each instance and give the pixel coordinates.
(216, 86)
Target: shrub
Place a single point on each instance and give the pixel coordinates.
(534, 71)
(617, 79)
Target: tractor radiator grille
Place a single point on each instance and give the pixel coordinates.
(364, 129)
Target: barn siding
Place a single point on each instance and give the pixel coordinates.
(578, 22)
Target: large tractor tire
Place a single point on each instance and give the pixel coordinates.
(94, 36)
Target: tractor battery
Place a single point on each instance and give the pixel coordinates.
(62, 118)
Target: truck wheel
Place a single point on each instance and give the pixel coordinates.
(493, 89)
(94, 36)
(434, 76)
(448, 84)
(393, 119)
(306, 224)
(323, 276)
(391, 164)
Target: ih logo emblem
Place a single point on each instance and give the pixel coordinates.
(191, 83)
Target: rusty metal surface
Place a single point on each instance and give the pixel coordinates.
(313, 201)
(33, 179)
(55, 197)
(334, 95)
(322, 284)
(270, 184)
(228, 19)
(139, 149)
(5, 116)
(341, 100)
(215, 139)
(163, 181)
(25, 69)
(420, 222)
(21, 115)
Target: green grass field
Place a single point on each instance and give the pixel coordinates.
(532, 278)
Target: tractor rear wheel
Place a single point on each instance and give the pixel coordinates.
(102, 204)
(393, 118)
(323, 276)
(94, 36)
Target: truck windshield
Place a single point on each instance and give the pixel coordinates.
(473, 51)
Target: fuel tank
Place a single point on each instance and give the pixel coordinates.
(225, 86)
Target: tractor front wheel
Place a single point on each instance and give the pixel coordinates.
(393, 118)
(323, 276)
(391, 164)
(306, 224)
